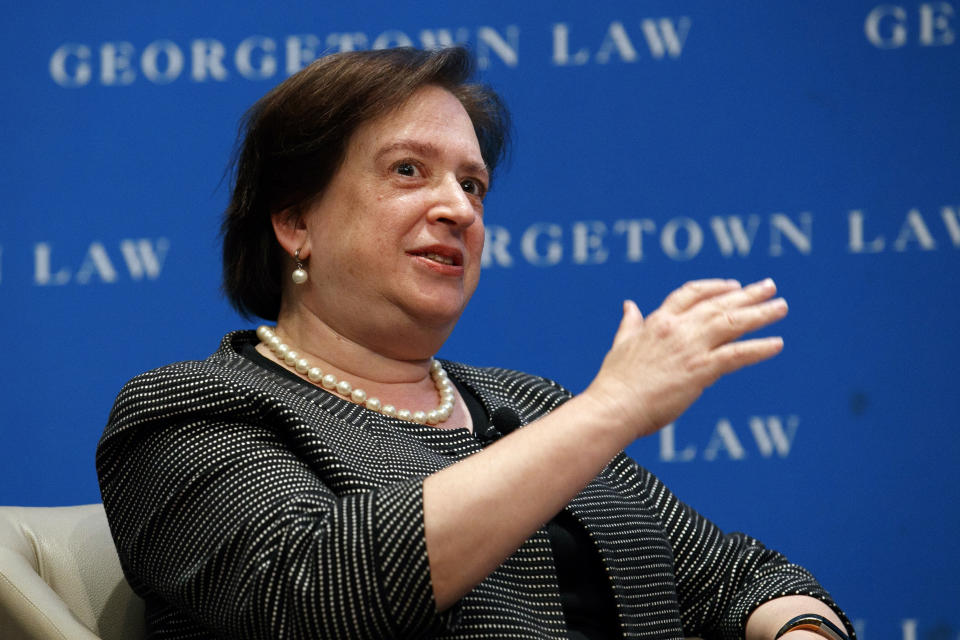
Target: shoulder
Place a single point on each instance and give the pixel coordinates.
(509, 380)
(531, 395)
(224, 367)
(224, 384)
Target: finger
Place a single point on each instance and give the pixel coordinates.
(737, 355)
(748, 295)
(706, 311)
(631, 319)
(696, 291)
(730, 324)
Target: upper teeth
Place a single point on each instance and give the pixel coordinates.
(438, 258)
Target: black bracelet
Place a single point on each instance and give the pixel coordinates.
(815, 623)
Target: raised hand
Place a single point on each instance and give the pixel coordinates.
(658, 366)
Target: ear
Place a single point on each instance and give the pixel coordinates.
(290, 228)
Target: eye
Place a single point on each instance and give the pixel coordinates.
(474, 187)
(406, 168)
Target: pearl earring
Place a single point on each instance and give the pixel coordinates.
(299, 275)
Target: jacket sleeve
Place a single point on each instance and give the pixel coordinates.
(721, 578)
(216, 515)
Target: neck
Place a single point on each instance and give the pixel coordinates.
(390, 360)
(273, 346)
(348, 355)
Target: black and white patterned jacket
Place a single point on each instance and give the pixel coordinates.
(245, 504)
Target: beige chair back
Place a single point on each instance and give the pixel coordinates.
(60, 577)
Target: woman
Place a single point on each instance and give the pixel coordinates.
(328, 479)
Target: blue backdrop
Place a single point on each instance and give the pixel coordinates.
(812, 141)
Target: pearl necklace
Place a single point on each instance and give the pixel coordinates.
(328, 381)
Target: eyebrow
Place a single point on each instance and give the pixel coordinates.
(429, 150)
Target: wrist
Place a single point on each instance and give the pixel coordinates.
(801, 634)
(787, 614)
(601, 420)
(812, 625)
(612, 406)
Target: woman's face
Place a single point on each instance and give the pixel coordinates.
(398, 233)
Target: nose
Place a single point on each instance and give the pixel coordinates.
(452, 205)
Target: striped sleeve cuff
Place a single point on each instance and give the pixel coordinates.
(403, 564)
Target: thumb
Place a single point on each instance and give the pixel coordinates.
(632, 318)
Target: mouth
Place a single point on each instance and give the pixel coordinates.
(440, 255)
(436, 257)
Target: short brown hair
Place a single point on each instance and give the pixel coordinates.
(294, 138)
